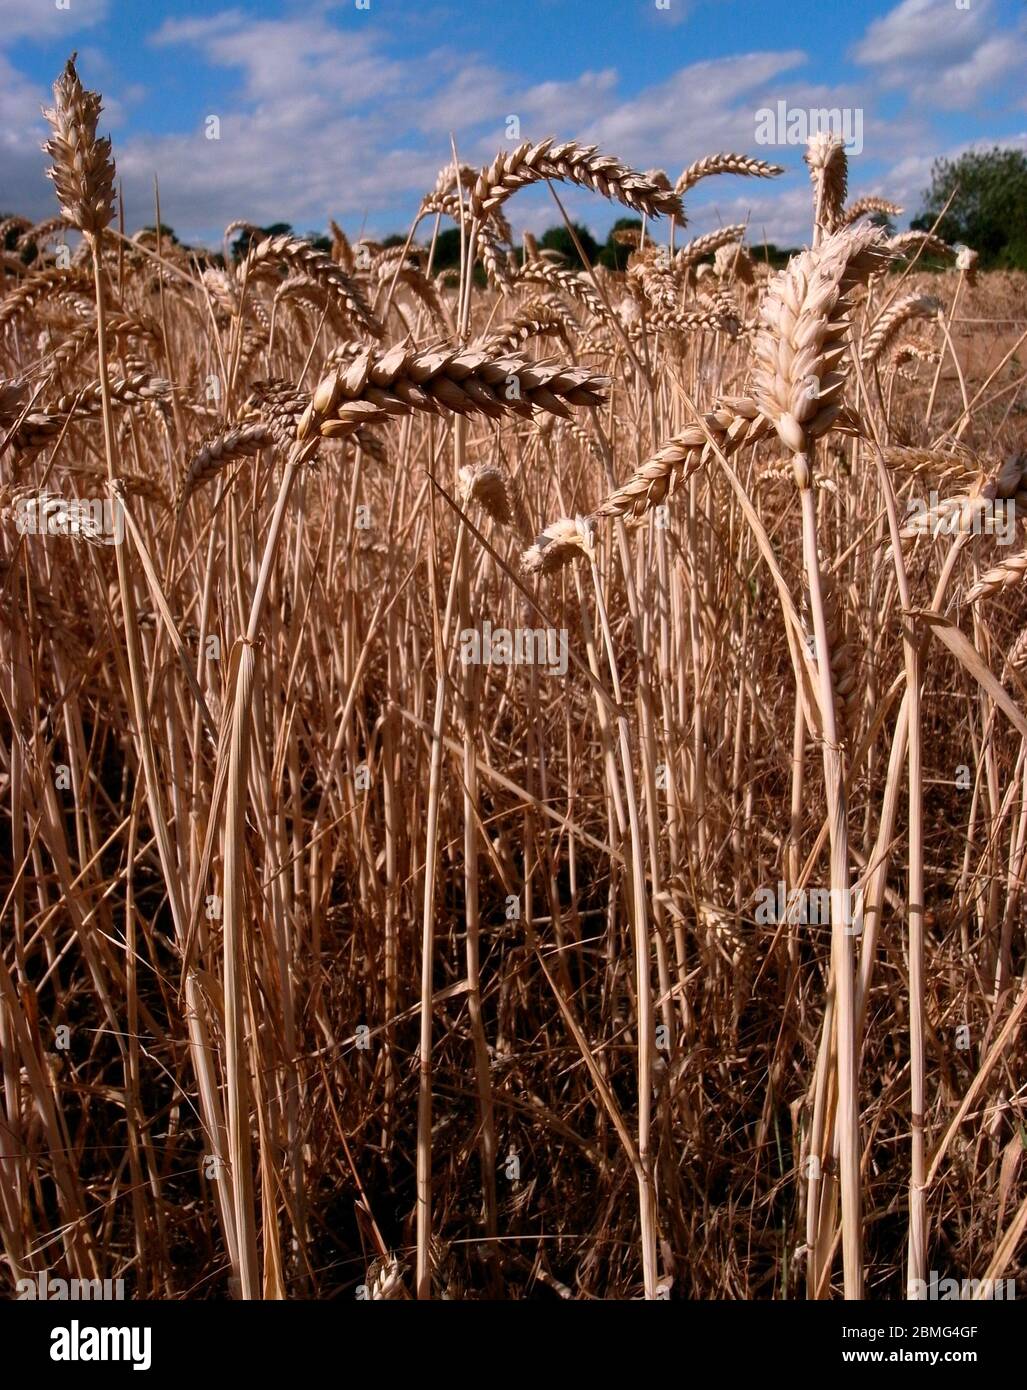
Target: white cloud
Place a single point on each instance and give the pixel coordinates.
(940, 56)
(41, 19)
(979, 74)
(906, 181)
(286, 58)
(319, 118)
(299, 143)
(920, 32)
(23, 187)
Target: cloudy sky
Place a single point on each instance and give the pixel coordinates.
(326, 109)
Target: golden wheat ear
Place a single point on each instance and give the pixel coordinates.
(83, 167)
(802, 338)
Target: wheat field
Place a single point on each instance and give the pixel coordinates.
(512, 780)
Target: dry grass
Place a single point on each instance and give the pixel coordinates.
(332, 963)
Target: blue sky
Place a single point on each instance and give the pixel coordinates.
(330, 110)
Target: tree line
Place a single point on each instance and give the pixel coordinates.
(978, 199)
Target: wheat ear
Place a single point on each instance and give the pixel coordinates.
(570, 163)
(1002, 576)
(83, 169)
(864, 207)
(294, 251)
(725, 164)
(910, 306)
(829, 173)
(377, 386)
(801, 340)
(732, 424)
(240, 441)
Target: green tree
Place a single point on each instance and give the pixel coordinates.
(774, 256)
(560, 239)
(988, 210)
(447, 254)
(447, 249)
(166, 233)
(614, 256)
